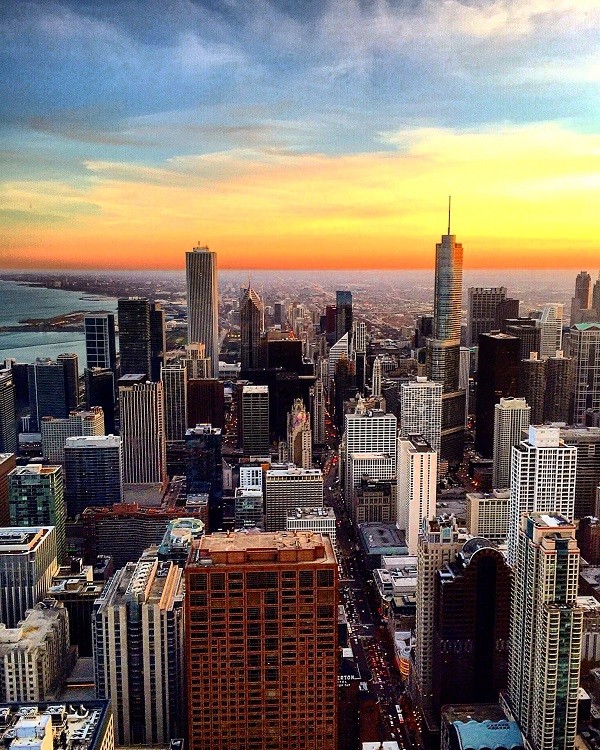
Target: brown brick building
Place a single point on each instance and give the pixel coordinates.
(261, 642)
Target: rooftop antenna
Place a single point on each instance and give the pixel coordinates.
(449, 206)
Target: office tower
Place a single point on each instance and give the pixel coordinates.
(251, 328)
(583, 288)
(543, 477)
(344, 388)
(8, 417)
(138, 650)
(204, 469)
(376, 378)
(100, 346)
(52, 388)
(285, 353)
(488, 514)
(249, 512)
(141, 412)
(585, 349)
(174, 382)
(374, 501)
(70, 363)
(278, 313)
(368, 432)
(55, 431)
(528, 331)
(271, 680)
(369, 466)
(532, 385)
(198, 365)
(587, 478)
(8, 462)
(417, 484)
(339, 349)
(472, 608)
(560, 389)
(287, 489)
(299, 436)
(27, 564)
(421, 411)
(205, 402)
(596, 297)
(359, 337)
(33, 656)
(439, 543)
(481, 311)
(254, 420)
(512, 416)
(551, 325)
(158, 340)
(588, 539)
(507, 309)
(545, 632)
(317, 400)
(100, 391)
(203, 302)
(93, 472)
(134, 336)
(343, 314)
(497, 377)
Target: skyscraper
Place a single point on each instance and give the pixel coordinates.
(93, 472)
(532, 385)
(481, 311)
(587, 479)
(583, 288)
(559, 393)
(158, 341)
(53, 388)
(100, 346)
(271, 680)
(56, 431)
(585, 349)
(421, 411)
(204, 469)
(203, 302)
(134, 336)
(545, 632)
(142, 432)
(543, 474)
(100, 391)
(511, 417)
(299, 436)
(343, 314)
(317, 400)
(8, 424)
(70, 363)
(291, 488)
(251, 328)
(254, 420)
(174, 381)
(368, 432)
(551, 323)
(376, 378)
(417, 484)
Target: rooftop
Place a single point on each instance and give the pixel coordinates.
(35, 470)
(268, 547)
(309, 513)
(93, 441)
(22, 539)
(31, 632)
(382, 538)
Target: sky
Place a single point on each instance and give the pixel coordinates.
(299, 134)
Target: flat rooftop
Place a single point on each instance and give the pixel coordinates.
(19, 540)
(382, 538)
(269, 547)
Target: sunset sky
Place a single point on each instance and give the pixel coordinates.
(299, 133)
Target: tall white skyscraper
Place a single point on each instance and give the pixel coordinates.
(545, 632)
(141, 410)
(417, 482)
(376, 378)
(174, 381)
(542, 480)
(585, 349)
(421, 410)
(337, 351)
(203, 302)
(551, 335)
(368, 432)
(511, 417)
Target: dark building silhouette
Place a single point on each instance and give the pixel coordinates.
(508, 308)
(497, 377)
(560, 389)
(100, 341)
(134, 335)
(204, 469)
(251, 325)
(532, 386)
(344, 387)
(472, 609)
(100, 391)
(8, 426)
(343, 314)
(528, 331)
(70, 363)
(158, 341)
(53, 388)
(205, 402)
(286, 355)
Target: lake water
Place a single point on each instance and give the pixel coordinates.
(19, 302)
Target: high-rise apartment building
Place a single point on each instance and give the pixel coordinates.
(545, 632)
(55, 431)
(203, 302)
(174, 382)
(290, 488)
(8, 417)
(481, 311)
(532, 385)
(368, 431)
(254, 420)
(27, 564)
(551, 324)
(421, 411)
(587, 478)
(100, 346)
(251, 328)
(543, 476)
(138, 651)
(559, 393)
(417, 485)
(134, 336)
(497, 377)
(93, 472)
(261, 642)
(488, 514)
(141, 411)
(37, 498)
(585, 350)
(512, 416)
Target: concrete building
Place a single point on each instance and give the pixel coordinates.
(249, 508)
(299, 436)
(8, 416)
(251, 476)
(93, 472)
(370, 466)
(482, 304)
(587, 478)
(203, 302)
(511, 418)
(551, 334)
(584, 342)
(488, 514)
(368, 432)
(254, 420)
(374, 501)
(287, 489)
(317, 400)
(417, 485)
(8, 461)
(55, 431)
(545, 632)
(320, 520)
(37, 498)
(175, 391)
(27, 564)
(421, 411)
(33, 653)
(141, 408)
(252, 323)
(271, 680)
(138, 651)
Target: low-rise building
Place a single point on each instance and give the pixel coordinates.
(321, 520)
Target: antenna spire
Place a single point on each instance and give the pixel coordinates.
(449, 207)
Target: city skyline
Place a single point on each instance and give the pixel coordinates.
(313, 135)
